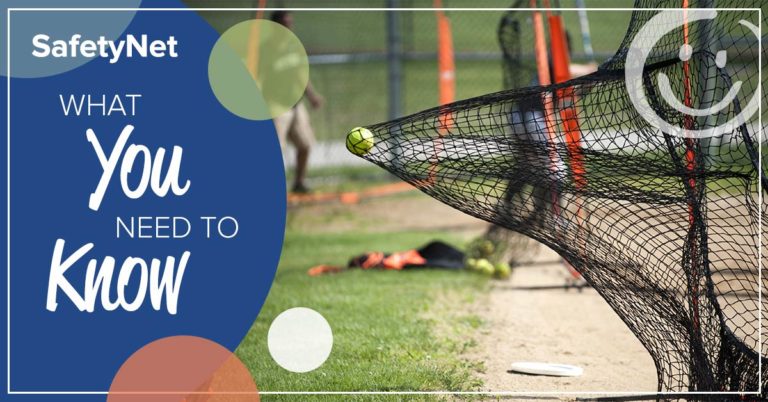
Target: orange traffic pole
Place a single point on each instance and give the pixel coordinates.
(446, 66)
(690, 159)
(567, 105)
(252, 52)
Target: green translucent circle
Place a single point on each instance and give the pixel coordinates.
(258, 69)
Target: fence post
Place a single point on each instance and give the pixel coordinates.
(394, 61)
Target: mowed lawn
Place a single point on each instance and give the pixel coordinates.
(393, 331)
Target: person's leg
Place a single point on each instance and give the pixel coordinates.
(546, 194)
(302, 136)
(514, 206)
(518, 177)
(282, 125)
(527, 138)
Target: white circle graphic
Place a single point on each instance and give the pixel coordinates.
(639, 50)
(300, 340)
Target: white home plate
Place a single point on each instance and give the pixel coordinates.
(556, 370)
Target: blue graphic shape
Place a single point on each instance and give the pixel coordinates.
(26, 23)
(235, 168)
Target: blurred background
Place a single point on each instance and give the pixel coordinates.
(422, 329)
(373, 66)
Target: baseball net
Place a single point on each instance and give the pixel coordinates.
(665, 227)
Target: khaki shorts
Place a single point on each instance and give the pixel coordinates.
(293, 126)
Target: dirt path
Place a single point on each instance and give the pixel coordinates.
(521, 324)
(407, 211)
(558, 326)
(552, 325)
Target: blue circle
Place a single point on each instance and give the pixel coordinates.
(234, 168)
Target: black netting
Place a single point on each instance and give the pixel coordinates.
(515, 34)
(664, 227)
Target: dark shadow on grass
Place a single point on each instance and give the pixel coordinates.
(545, 287)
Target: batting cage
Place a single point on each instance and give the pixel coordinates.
(645, 175)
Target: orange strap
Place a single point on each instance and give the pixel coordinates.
(324, 269)
(375, 258)
(401, 259)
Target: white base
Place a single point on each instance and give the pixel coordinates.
(550, 369)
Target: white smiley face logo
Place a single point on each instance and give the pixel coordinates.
(640, 49)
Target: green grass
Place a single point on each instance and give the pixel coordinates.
(356, 93)
(333, 32)
(385, 324)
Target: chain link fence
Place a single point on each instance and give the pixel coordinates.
(350, 68)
